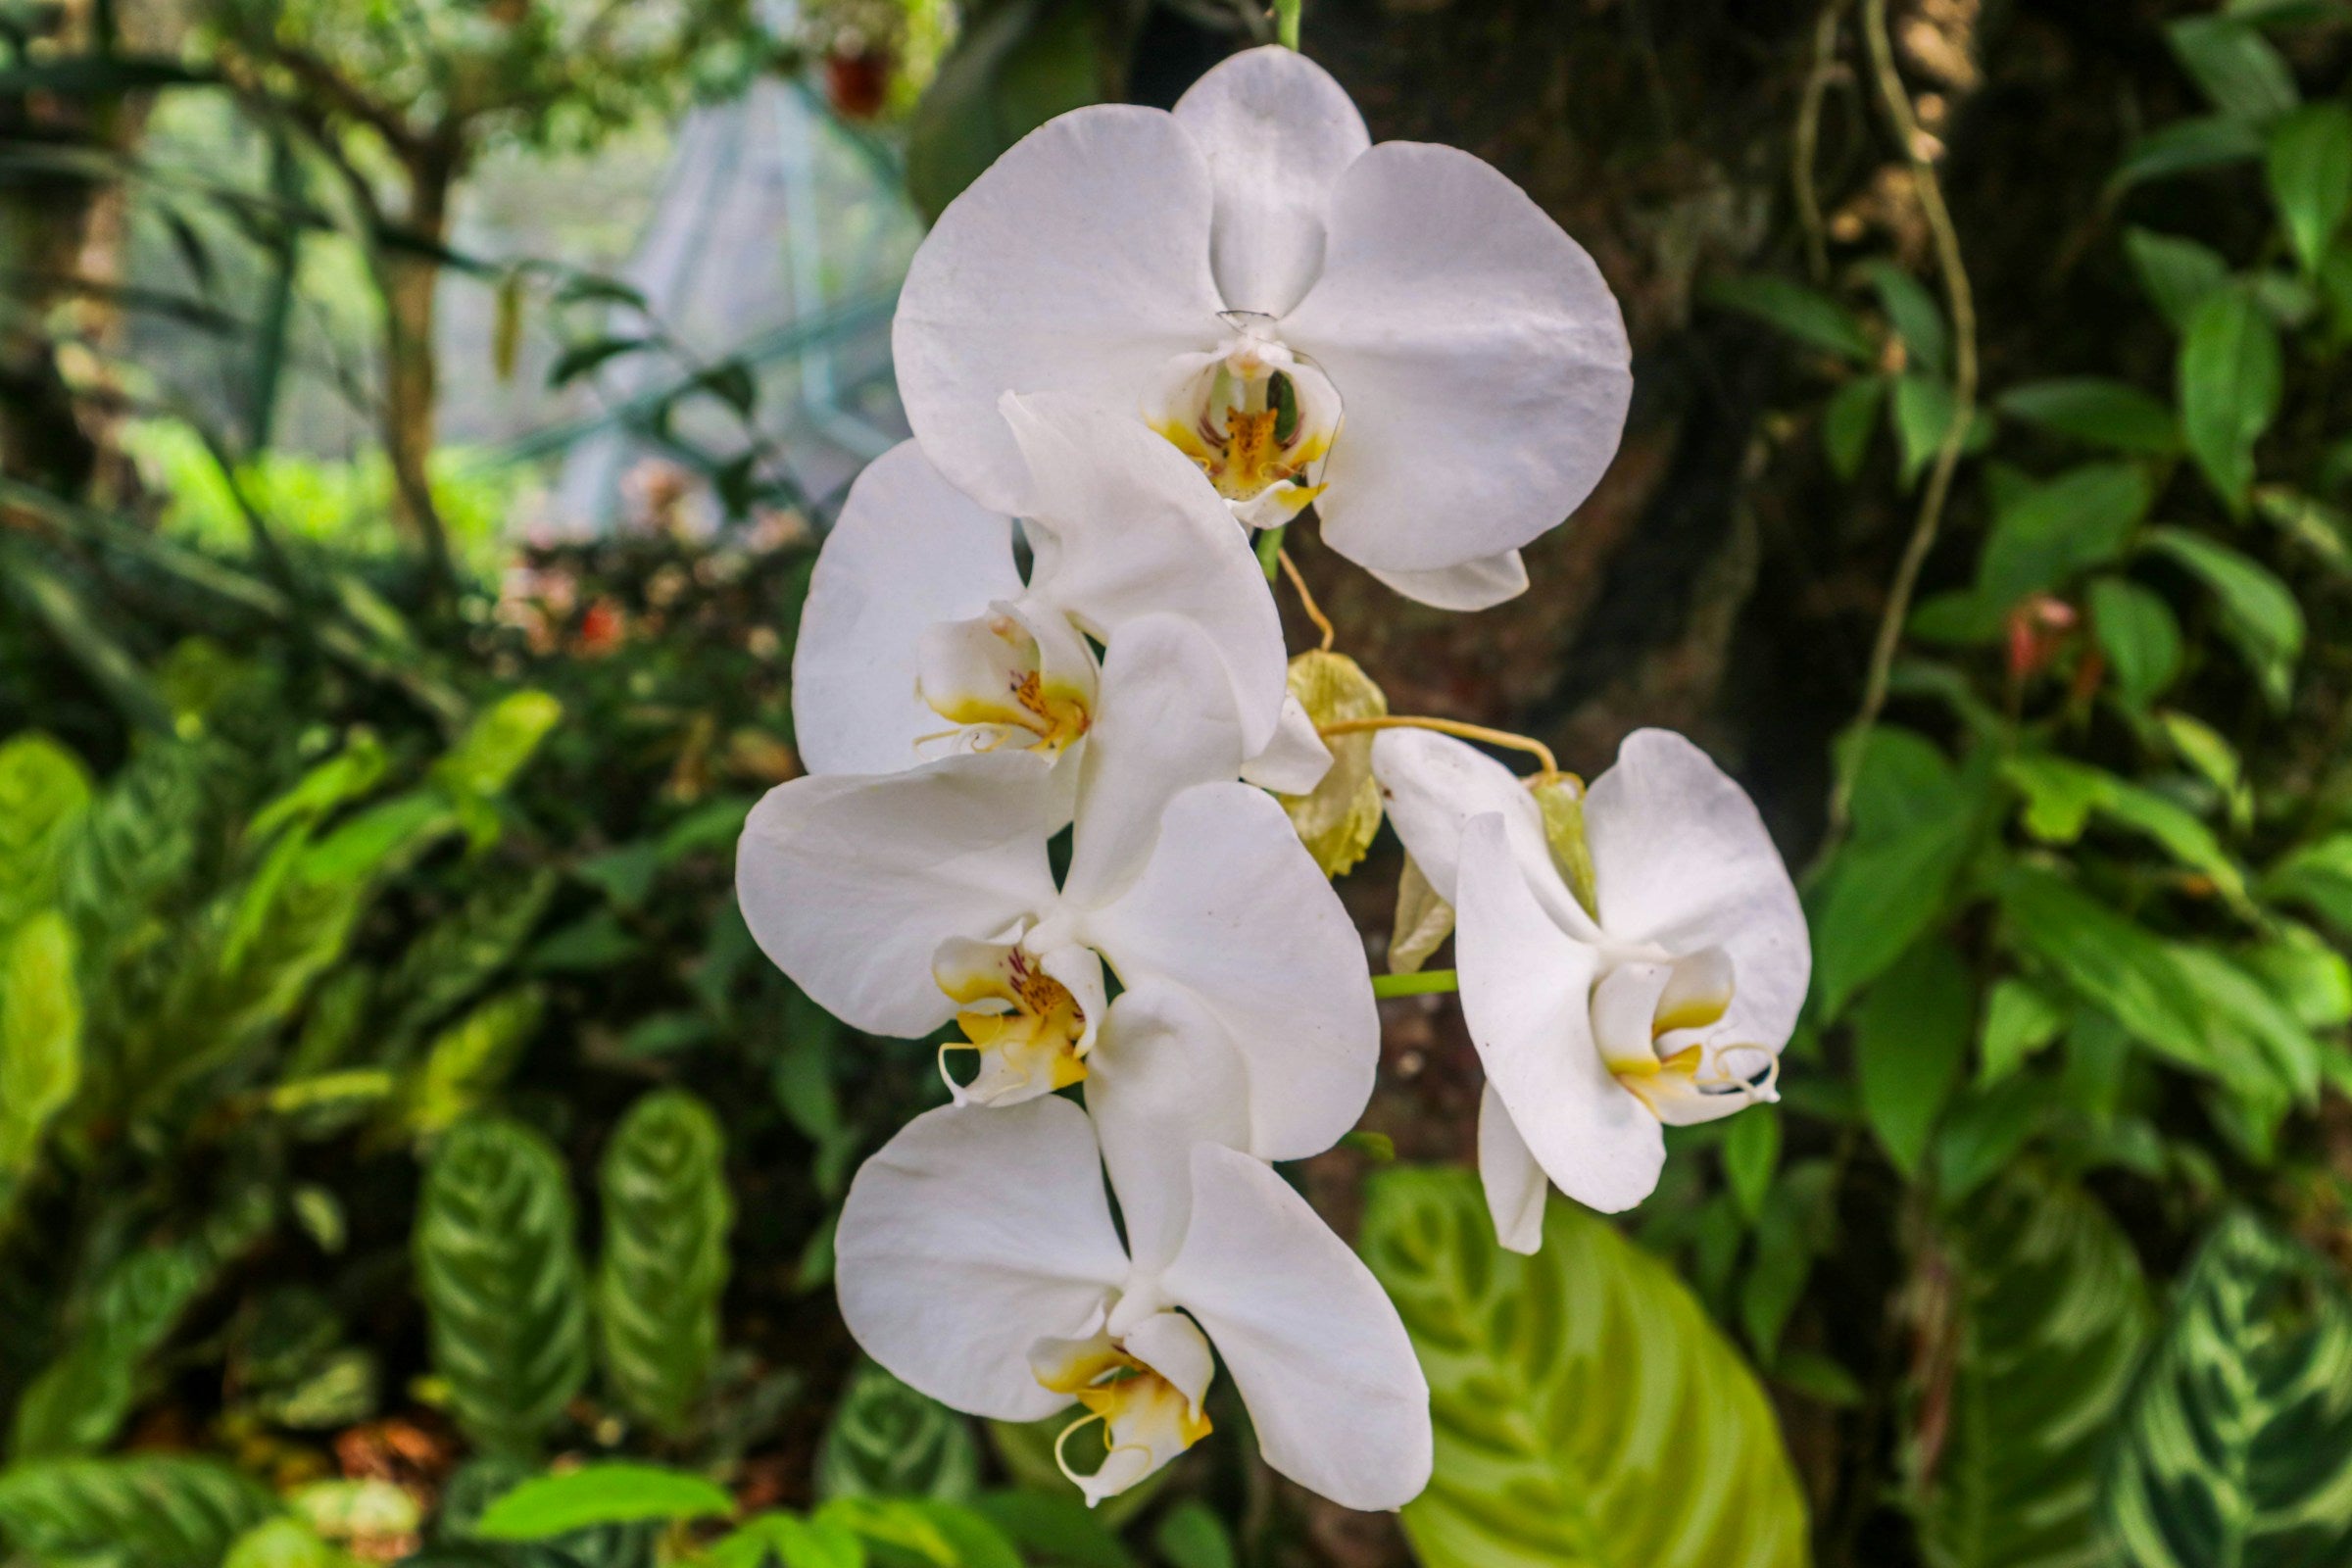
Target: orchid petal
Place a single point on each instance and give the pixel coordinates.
(1277, 132)
(1171, 1345)
(1163, 1077)
(1079, 262)
(1296, 759)
(1165, 722)
(1515, 1185)
(968, 1237)
(1681, 859)
(1231, 908)
(1434, 784)
(1486, 383)
(851, 882)
(1480, 584)
(908, 550)
(1124, 526)
(1526, 988)
(1312, 1342)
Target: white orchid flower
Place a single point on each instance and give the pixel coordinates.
(921, 639)
(977, 1259)
(1666, 1002)
(902, 902)
(1248, 271)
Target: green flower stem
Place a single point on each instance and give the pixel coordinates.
(1286, 30)
(1424, 982)
(1270, 543)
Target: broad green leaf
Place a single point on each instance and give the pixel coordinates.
(2176, 274)
(1847, 421)
(2318, 877)
(40, 1037)
(780, 1540)
(1982, 1132)
(666, 1214)
(610, 1494)
(2051, 530)
(1915, 315)
(2309, 167)
(1911, 1036)
(284, 1544)
(2246, 1022)
(1054, 1530)
(2311, 980)
(1014, 66)
(1805, 313)
(1922, 412)
(944, 1534)
(886, 1440)
(2052, 1316)
(1571, 1393)
(44, 792)
(1751, 1154)
(2215, 759)
(2260, 614)
(1191, 1535)
(81, 1399)
(2235, 67)
(2101, 411)
(1797, 1225)
(339, 780)
(2139, 635)
(2019, 1019)
(2231, 376)
(496, 745)
(460, 953)
(2209, 141)
(1338, 820)
(2236, 1444)
(147, 1511)
(2062, 795)
(1886, 884)
(2322, 530)
(503, 1288)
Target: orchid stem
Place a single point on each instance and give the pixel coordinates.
(1269, 549)
(1448, 726)
(1285, 22)
(1306, 599)
(1420, 982)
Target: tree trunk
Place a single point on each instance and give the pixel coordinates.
(409, 276)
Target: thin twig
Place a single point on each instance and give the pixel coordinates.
(1306, 599)
(1806, 151)
(1447, 726)
(1962, 305)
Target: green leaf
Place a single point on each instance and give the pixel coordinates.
(501, 1282)
(1571, 1392)
(2232, 377)
(2176, 274)
(40, 1037)
(786, 1541)
(467, 1061)
(1847, 421)
(44, 793)
(580, 359)
(496, 745)
(1916, 317)
(1922, 417)
(1798, 1226)
(1751, 1154)
(2052, 1316)
(2235, 67)
(2309, 167)
(1014, 66)
(941, 1533)
(2048, 531)
(2318, 877)
(885, 1439)
(284, 1544)
(81, 1399)
(2259, 613)
(2061, 795)
(2019, 1019)
(2139, 635)
(1886, 885)
(149, 1511)
(1194, 1537)
(2210, 141)
(1056, 1530)
(1911, 1036)
(666, 1214)
(610, 1494)
(1805, 313)
(2237, 1445)
(2093, 409)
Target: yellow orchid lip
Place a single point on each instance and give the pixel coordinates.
(1027, 1028)
(997, 682)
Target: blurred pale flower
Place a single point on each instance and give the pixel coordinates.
(901, 902)
(1395, 333)
(979, 1263)
(920, 638)
(1665, 999)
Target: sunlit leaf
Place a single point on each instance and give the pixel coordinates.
(666, 1214)
(610, 1494)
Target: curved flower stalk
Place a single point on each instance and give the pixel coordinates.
(1395, 333)
(902, 902)
(978, 1261)
(920, 638)
(1659, 993)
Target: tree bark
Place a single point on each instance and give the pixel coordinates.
(408, 275)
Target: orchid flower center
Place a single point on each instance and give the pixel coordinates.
(1008, 678)
(1654, 1019)
(1148, 1419)
(1258, 418)
(1030, 1029)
